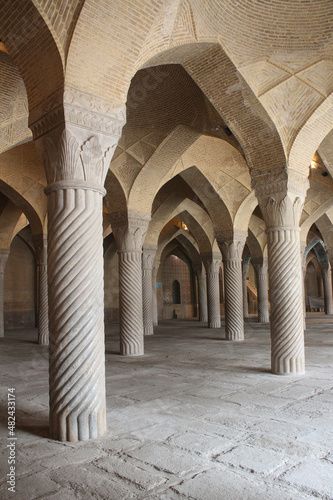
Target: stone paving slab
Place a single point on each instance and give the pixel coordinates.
(254, 459)
(166, 459)
(224, 484)
(313, 476)
(218, 426)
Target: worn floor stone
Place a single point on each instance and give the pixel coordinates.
(194, 418)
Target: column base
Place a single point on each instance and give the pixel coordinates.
(235, 338)
(214, 324)
(75, 428)
(148, 330)
(288, 367)
(131, 351)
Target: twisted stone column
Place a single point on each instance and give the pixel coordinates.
(75, 256)
(147, 290)
(233, 286)
(129, 238)
(244, 276)
(202, 294)
(155, 304)
(43, 302)
(76, 169)
(213, 293)
(327, 281)
(281, 203)
(260, 267)
(3, 260)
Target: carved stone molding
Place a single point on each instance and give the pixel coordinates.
(79, 109)
(68, 159)
(282, 182)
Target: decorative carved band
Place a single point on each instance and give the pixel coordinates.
(77, 360)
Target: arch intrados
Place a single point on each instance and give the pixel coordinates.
(24, 205)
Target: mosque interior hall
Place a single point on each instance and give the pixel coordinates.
(166, 249)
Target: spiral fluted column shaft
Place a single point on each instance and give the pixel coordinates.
(245, 302)
(233, 285)
(202, 296)
(213, 295)
(327, 280)
(155, 305)
(286, 300)
(3, 260)
(130, 301)
(43, 301)
(262, 289)
(147, 291)
(75, 271)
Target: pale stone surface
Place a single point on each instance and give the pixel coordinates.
(259, 437)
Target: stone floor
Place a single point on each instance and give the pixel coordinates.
(196, 418)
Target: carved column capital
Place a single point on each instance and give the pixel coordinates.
(232, 249)
(70, 162)
(130, 231)
(76, 135)
(148, 257)
(281, 198)
(40, 244)
(212, 266)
